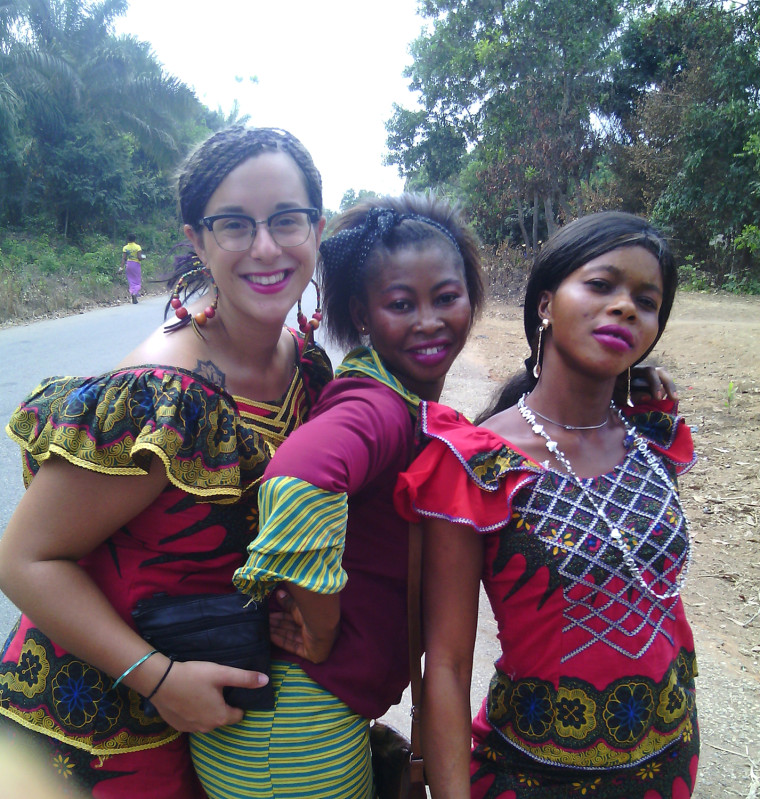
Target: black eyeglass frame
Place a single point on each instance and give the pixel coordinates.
(312, 214)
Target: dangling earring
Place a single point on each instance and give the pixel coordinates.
(196, 320)
(543, 326)
(308, 326)
(629, 401)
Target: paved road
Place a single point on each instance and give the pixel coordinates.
(83, 344)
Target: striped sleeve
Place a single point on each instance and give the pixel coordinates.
(302, 532)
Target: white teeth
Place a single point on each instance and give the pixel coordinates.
(430, 350)
(266, 280)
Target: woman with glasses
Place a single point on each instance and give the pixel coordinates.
(143, 480)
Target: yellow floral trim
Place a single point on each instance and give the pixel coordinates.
(115, 423)
(40, 722)
(600, 755)
(580, 726)
(35, 684)
(577, 717)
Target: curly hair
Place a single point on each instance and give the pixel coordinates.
(412, 220)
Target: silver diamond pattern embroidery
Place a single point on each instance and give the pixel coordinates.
(643, 507)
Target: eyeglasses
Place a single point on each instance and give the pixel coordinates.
(236, 232)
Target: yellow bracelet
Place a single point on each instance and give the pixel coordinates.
(134, 666)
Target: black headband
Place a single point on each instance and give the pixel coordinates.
(350, 248)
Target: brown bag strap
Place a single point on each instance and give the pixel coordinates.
(415, 654)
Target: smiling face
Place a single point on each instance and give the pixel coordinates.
(263, 282)
(604, 315)
(417, 314)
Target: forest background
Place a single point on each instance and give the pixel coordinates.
(530, 113)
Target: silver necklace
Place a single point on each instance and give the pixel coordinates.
(570, 426)
(616, 537)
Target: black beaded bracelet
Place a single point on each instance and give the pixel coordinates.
(161, 681)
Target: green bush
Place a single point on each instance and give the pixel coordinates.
(692, 276)
(45, 274)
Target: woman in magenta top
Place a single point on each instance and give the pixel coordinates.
(401, 281)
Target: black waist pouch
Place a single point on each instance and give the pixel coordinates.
(229, 629)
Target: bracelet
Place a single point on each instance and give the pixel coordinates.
(161, 681)
(134, 666)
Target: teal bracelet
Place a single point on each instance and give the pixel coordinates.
(134, 666)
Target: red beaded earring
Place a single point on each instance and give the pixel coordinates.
(308, 326)
(199, 319)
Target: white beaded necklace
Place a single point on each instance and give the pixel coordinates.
(616, 537)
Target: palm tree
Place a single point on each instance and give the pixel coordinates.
(64, 77)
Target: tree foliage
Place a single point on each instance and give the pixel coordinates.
(517, 83)
(690, 137)
(92, 125)
(540, 110)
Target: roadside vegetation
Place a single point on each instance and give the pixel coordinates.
(531, 113)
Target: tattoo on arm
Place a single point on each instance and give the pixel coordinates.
(211, 372)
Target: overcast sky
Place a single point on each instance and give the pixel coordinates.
(327, 71)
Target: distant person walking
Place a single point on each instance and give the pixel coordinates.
(131, 256)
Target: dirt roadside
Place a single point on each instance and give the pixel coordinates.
(712, 349)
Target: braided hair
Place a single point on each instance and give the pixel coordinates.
(210, 163)
(362, 237)
(569, 249)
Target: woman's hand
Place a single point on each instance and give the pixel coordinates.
(652, 382)
(289, 630)
(191, 700)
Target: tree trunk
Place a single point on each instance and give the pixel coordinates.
(535, 221)
(523, 230)
(567, 211)
(25, 194)
(551, 225)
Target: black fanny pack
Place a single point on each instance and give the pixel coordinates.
(229, 629)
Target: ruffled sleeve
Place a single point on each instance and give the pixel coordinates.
(665, 431)
(115, 423)
(465, 474)
(359, 430)
(469, 475)
(302, 539)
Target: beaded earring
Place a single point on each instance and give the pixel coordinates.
(543, 326)
(199, 319)
(308, 326)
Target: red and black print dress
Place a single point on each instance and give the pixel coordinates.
(593, 694)
(215, 448)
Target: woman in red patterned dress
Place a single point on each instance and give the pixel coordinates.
(566, 506)
(143, 480)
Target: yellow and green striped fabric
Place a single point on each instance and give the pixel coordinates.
(302, 533)
(311, 745)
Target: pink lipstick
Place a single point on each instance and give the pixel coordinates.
(431, 353)
(615, 337)
(269, 283)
